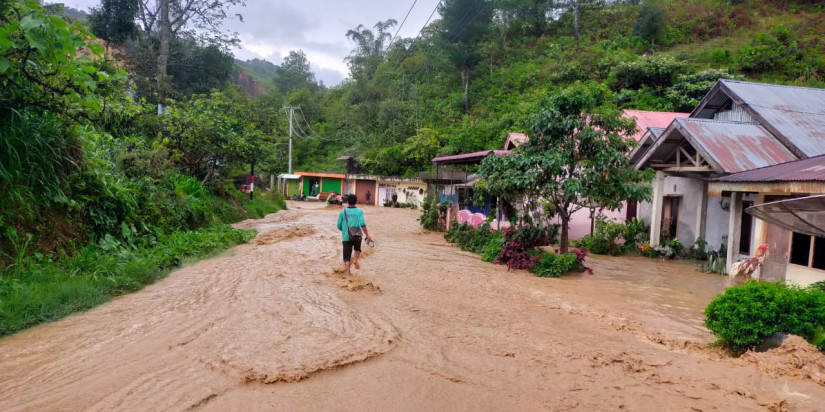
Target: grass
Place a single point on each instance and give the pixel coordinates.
(41, 290)
(38, 288)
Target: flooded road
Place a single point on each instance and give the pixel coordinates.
(274, 325)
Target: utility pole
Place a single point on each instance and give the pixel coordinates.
(291, 112)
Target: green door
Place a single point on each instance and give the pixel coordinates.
(331, 184)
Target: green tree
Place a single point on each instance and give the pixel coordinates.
(464, 24)
(49, 64)
(369, 48)
(114, 20)
(168, 19)
(576, 158)
(294, 73)
(650, 21)
(212, 131)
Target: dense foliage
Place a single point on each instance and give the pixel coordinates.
(518, 249)
(576, 158)
(100, 195)
(745, 315)
(522, 51)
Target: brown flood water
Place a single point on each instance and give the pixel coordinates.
(274, 325)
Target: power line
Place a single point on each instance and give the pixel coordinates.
(419, 33)
(392, 39)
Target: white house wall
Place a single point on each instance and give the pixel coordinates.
(716, 229)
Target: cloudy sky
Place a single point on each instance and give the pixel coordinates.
(271, 28)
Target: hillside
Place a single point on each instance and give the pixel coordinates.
(396, 114)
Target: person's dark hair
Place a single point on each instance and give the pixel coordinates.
(352, 200)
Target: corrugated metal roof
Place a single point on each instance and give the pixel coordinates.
(648, 138)
(469, 157)
(735, 146)
(805, 170)
(646, 119)
(797, 113)
(320, 174)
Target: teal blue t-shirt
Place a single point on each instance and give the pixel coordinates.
(355, 218)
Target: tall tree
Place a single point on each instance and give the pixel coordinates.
(201, 19)
(464, 24)
(650, 21)
(295, 73)
(114, 20)
(576, 158)
(369, 48)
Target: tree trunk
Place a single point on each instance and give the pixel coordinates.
(466, 78)
(163, 51)
(576, 16)
(565, 233)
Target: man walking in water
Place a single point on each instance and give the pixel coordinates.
(351, 224)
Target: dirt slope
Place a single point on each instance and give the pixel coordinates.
(272, 325)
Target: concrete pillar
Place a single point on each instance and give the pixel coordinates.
(702, 212)
(760, 227)
(734, 227)
(656, 219)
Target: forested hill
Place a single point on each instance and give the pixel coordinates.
(398, 110)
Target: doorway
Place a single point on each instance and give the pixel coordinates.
(746, 230)
(670, 216)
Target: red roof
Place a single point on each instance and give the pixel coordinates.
(805, 170)
(645, 119)
(469, 157)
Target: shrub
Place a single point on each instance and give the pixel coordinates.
(493, 248)
(606, 236)
(552, 265)
(698, 251)
(745, 315)
(429, 214)
(516, 255)
(818, 285)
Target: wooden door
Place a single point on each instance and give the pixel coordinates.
(361, 189)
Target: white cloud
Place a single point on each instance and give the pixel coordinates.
(271, 28)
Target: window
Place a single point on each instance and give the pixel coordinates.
(808, 251)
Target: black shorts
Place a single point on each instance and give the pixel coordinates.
(349, 245)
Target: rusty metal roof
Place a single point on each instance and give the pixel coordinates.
(735, 146)
(729, 147)
(796, 115)
(805, 170)
(646, 119)
(648, 138)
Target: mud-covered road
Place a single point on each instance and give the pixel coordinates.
(423, 326)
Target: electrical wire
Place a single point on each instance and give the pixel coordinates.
(392, 39)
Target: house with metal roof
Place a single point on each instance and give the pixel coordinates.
(457, 187)
(711, 166)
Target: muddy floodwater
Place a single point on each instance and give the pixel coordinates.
(275, 325)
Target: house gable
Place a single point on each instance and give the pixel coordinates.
(714, 147)
(795, 116)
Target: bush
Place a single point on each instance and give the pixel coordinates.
(553, 266)
(606, 236)
(429, 214)
(818, 285)
(492, 249)
(516, 255)
(745, 315)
